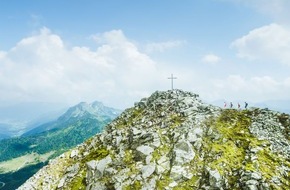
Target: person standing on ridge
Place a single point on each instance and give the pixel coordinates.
(246, 105)
(239, 105)
(231, 105)
(225, 104)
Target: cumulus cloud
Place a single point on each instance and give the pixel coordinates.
(112, 37)
(287, 82)
(254, 89)
(270, 42)
(42, 68)
(211, 59)
(163, 46)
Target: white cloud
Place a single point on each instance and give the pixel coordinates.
(163, 46)
(257, 89)
(270, 42)
(115, 37)
(42, 68)
(211, 58)
(265, 84)
(287, 82)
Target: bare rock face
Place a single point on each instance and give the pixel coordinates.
(172, 140)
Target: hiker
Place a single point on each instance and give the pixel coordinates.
(225, 104)
(231, 104)
(246, 105)
(239, 105)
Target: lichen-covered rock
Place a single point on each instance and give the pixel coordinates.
(172, 140)
(145, 150)
(148, 170)
(183, 152)
(215, 179)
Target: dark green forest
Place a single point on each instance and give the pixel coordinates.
(58, 139)
(14, 179)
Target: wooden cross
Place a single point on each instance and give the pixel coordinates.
(172, 78)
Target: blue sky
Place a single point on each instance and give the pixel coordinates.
(120, 51)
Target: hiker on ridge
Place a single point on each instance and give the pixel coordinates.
(246, 105)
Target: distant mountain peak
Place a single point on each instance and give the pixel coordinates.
(83, 108)
(172, 140)
(80, 111)
(97, 104)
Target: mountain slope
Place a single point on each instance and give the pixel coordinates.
(50, 140)
(3, 136)
(172, 140)
(80, 112)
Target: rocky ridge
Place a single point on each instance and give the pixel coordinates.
(172, 140)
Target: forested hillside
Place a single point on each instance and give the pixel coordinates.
(57, 139)
(21, 157)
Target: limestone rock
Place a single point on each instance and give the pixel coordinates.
(74, 153)
(148, 170)
(215, 179)
(183, 152)
(146, 150)
(95, 169)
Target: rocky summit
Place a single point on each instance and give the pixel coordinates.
(172, 140)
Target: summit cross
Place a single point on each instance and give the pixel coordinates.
(172, 78)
